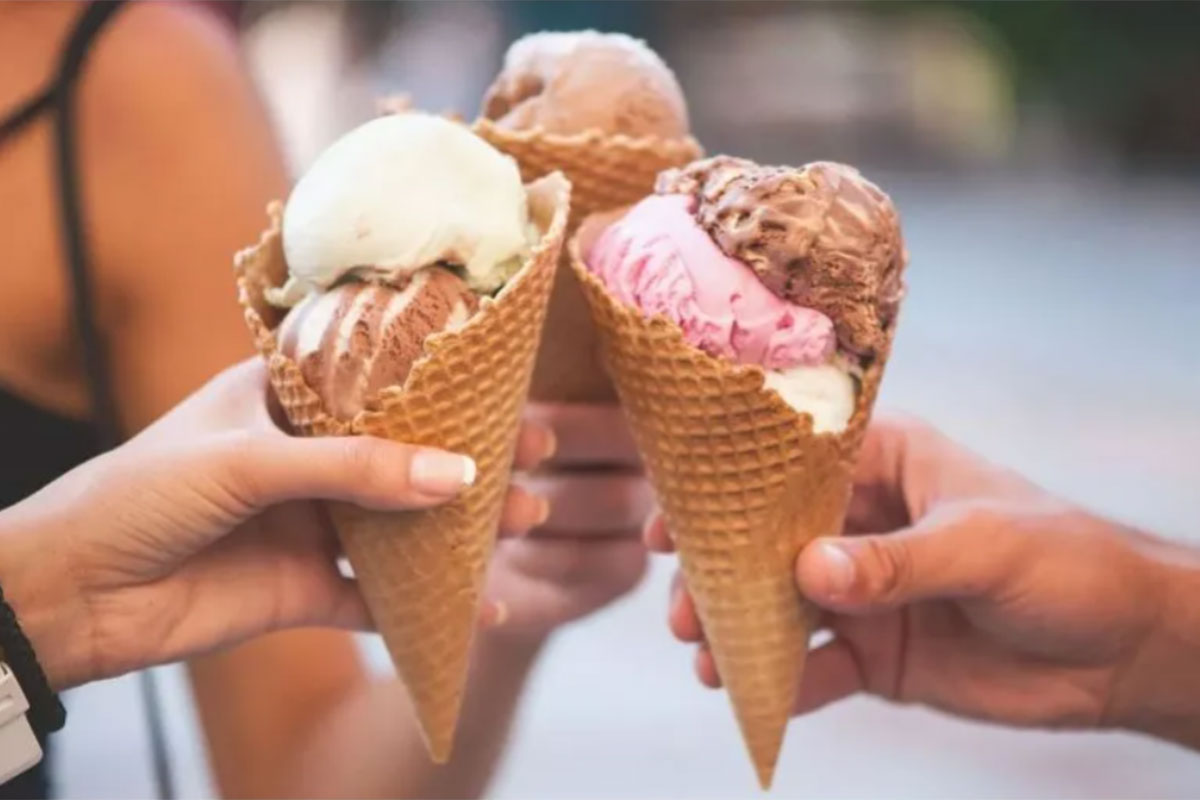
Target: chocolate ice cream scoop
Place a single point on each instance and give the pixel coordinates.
(571, 82)
(821, 236)
(359, 338)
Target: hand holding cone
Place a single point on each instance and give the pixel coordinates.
(743, 480)
(421, 572)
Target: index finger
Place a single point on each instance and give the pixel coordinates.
(535, 443)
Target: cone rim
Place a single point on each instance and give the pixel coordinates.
(590, 137)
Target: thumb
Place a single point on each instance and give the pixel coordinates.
(957, 555)
(370, 472)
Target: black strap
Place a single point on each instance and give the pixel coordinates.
(73, 230)
(26, 113)
(59, 98)
(46, 713)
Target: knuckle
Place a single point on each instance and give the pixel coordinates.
(996, 529)
(1003, 529)
(233, 463)
(889, 564)
(363, 462)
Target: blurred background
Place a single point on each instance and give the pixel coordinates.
(1046, 161)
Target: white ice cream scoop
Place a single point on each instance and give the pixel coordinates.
(399, 193)
(825, 392)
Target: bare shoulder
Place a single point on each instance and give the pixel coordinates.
(157, 49)
(177, 139)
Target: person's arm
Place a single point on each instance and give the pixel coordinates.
(196, 534)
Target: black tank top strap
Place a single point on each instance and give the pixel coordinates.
(58, 99)
(26, 113)
(73, 227)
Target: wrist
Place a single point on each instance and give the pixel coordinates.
(1160, 692)
(39, 591)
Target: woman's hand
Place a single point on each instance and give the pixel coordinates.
(963, 587)
(200, 532)
(587, 550)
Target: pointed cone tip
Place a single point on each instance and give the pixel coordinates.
(440, 744)
(765, 772)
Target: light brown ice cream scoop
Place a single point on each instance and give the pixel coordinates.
(567, 83)
(358, 338)
(820, 235)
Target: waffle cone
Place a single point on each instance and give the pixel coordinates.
(421, 572)
(744, 484)
(606, 172)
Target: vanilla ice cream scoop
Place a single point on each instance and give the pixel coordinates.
(399, 193)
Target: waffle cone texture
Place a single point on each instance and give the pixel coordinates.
(744, 484)
(606, 171)
(421, 572)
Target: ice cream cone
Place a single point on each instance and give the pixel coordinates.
(421, 572)
(606, 171)
(743, 482)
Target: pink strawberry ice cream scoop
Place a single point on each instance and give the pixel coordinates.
(820, 235)
(659, 260)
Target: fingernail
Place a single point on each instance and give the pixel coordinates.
(441, 473)
(500, 609)
(648, 525)
(839, 568)
(543, 512)
(551, 445)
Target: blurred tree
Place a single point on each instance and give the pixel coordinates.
(1129, 70)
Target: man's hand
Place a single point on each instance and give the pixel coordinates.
(961, 586)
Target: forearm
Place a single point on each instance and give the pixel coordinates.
(369, 746)
(1161, 691)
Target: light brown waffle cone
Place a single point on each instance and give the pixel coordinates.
(606, 172)
(421, 572)
(743, 482)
